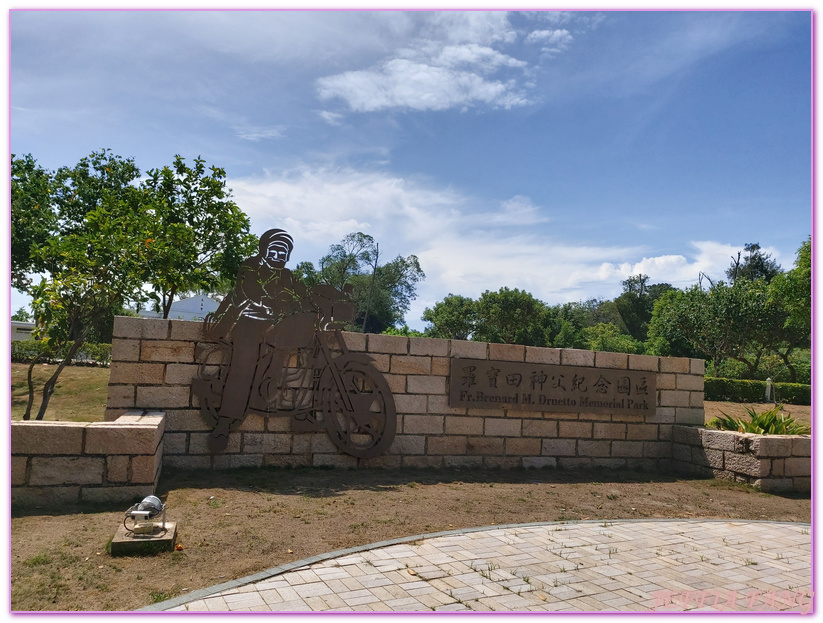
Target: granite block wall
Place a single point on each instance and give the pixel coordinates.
(71, 462)
(153, 364)
(774, 463)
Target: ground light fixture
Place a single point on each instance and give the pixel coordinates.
(145, 530)
(140, 518)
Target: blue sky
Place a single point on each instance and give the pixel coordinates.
(556, 152)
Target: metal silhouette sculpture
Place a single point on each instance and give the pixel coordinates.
(277, 350)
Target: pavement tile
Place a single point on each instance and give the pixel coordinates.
(216, 604)
(372, 581)
(421, 590)
(331, 574)
(315, 589)
(272, 596)
(350, 584)
(297, 605)
(612, 566)
(332, 602)
(316, 604)
(361, 601)
(243, 600)
(287, 593)
(277, 582)
(433, 600)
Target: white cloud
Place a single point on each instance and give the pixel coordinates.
(450, 64)
(258, 134)
(552, 41)
(579, 19)
(332, 118)
(482, 27)
(323, 204)
(708, 257)
(481, 58)
(405, 84)
(462, 245)
(285, 37)
(518, 211)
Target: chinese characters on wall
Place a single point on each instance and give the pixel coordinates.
(540, 387)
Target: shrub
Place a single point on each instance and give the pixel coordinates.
(94, 354)
(771, 422)
(25, 351)
(739, 390)
(771, 366)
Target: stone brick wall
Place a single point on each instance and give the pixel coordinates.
(153, 363)
(774, 463)
(69, 462)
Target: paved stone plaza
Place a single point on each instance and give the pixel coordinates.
(671, 565)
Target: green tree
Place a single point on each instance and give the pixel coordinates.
(455, 317)
(511, 317)
(607, 337)
(93, 271)
(754, 265)
(32, 218)
(404, 331)
(565, 322)
(381, 294)
(96, 180)
(664, 336)
(793, 289)
(383, 297)
(568, 336)
(71, 224)
(792, 292)
(199, 236)
(727, 321)
(347, 259)
(21, 315)
(307, 273)
(636, 304)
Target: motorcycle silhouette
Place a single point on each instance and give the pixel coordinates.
(320, 384)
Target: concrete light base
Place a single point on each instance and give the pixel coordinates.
(125, 543)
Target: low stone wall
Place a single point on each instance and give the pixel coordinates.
(775, 463)
(153, 364)
(69, 462)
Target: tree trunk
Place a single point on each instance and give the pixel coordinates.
(27, 414)
(789, 366)
(167, 301)
(751, 367)
(48, 387)
(371, 287)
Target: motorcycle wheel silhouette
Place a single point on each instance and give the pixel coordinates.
(361, 419)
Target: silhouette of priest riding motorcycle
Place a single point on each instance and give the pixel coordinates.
(276, 349)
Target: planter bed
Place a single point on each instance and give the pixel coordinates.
(774, 463)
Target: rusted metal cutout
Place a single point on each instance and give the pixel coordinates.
(276, 349)
(549, 388)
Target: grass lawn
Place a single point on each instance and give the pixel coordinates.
(80, 395)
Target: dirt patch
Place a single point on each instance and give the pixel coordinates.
(233, 524)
